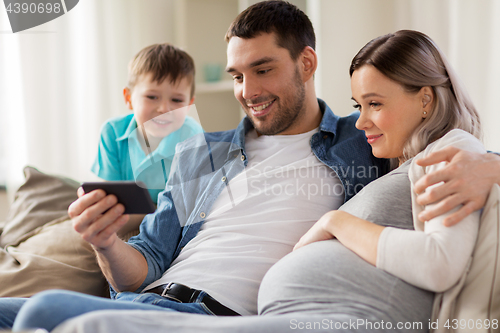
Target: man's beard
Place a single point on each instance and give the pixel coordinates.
(288, 111)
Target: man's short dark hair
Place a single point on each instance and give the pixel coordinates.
(291, 25)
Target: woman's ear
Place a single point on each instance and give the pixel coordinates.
(427, 96)
(127, 97)
(309, 62)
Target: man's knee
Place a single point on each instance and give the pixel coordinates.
(47, 299)
(40, 308)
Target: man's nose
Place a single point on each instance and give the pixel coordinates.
(251, 89)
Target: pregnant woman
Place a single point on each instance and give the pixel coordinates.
(373, 267)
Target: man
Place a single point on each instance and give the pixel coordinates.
(238, 200)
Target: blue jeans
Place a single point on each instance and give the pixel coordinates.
(9, 307)
(50, 308)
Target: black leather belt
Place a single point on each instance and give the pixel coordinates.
(180, 293)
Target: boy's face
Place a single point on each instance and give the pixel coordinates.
(160, 107)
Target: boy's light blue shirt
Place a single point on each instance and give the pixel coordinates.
(120, 156)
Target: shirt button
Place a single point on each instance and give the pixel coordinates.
(325, 136)
(224, 179)
(202, 215)
(242, 157)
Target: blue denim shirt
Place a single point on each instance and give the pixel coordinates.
(205, 164)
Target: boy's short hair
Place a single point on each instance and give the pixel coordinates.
(293, 28)
(162, 61)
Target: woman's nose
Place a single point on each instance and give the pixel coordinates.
(363, 122)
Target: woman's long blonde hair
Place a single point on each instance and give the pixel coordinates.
(413, 60)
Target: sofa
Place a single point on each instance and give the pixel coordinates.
(40, 250)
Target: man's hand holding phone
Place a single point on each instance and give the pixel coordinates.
(97, 217)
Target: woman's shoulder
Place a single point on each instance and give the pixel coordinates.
(455, 138)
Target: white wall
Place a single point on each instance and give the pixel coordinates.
(60, 81)
(342, 27)
(468, 31)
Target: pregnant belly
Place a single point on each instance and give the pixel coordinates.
(327, 278)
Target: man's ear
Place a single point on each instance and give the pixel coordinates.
(308, 62)
(127, 97)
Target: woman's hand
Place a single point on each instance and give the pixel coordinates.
(319, 231)
(358, 235)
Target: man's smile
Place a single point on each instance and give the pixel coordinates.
(261, 109)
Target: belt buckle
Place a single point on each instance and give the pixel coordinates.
(166, 290)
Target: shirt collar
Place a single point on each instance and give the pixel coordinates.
(330, 120)
(243, 128)
(130, 128)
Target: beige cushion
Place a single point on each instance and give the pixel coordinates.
(42, 250)
(475, 300)
(54, 256)
(41, 199)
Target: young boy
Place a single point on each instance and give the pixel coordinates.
(140, 146)
(137, 146)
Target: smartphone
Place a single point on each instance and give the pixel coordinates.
(135, 198)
